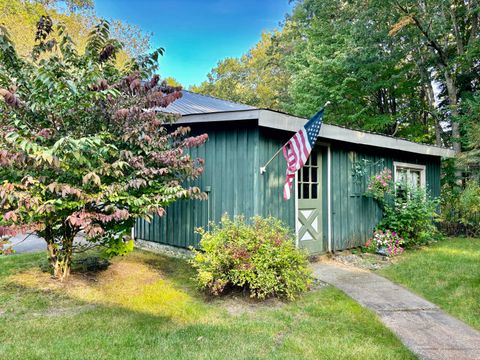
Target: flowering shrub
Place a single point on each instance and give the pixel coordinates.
(380, 184)
(388, 241)
(260, 257)
(410, 212)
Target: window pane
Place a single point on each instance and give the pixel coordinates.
(314, 158)
(314, 175)
(314, 191)
(414, 179)
(402, 175)
(306, 193)
(299, 190)
(305, 175)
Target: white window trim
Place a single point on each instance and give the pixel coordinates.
(403, 165)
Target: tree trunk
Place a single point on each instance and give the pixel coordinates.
(60, 258)
(63, 264)
(438, 133)
(453, 100)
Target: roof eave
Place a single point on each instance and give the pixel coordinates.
(291, 123)
(281, 121)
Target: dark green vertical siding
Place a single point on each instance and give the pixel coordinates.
(230, 172)
(270, 189)
(354, 216)
(233, 156)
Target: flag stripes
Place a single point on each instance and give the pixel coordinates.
(297, 150)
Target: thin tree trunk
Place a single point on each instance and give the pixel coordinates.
(456, 32)
(438, 132)
(453, 100)
(63, 263)
(59, 257)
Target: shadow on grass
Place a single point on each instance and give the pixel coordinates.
(145, 306)
(138, 282)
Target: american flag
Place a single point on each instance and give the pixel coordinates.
(297, 150)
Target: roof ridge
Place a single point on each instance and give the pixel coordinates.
(217, 98)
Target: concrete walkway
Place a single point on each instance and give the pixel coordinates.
(422, 326)
(27, 244)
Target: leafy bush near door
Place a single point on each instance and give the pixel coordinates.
(411, 214)
(407, 211)
(259, 257)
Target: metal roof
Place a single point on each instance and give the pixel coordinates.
(192, 103)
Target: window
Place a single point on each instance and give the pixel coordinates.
(308, 178)
(412, 175)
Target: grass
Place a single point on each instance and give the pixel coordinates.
(446, 273)
(145, 306)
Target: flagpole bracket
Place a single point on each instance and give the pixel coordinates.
(263, 170)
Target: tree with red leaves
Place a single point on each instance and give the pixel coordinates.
(82, 149)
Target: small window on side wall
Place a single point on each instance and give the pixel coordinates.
(411, 175)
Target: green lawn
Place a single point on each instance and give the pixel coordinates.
(446, 273)
(146, 307)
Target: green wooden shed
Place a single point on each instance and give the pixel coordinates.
(328, 211)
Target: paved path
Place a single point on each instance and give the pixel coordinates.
(421, 325)
(32, 243)
(27, 243)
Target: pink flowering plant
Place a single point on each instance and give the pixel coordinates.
(380, 185)
(387, 242)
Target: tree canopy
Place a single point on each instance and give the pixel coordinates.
(83, 147)
(406, 68)
(78, 16)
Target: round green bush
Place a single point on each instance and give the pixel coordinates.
(259, 257)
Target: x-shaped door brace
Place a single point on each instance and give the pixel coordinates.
(307, 223)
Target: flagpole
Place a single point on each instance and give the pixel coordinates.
(263, 169)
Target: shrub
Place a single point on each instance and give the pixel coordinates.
(411, 214)
(461, 210)
(407, 211)
(260, 257)
(469, 208)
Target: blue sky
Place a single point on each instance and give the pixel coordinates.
(196, 34)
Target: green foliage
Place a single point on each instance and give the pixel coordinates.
(79, 150)
(411, 213)
(469, 160)
(408, 212)
(78, 17)
(375, 61)
(260, 257)
(461, 210)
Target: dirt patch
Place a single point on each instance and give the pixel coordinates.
(237, 305)
(362, 260)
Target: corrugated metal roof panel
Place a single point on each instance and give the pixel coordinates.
(192, 103)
